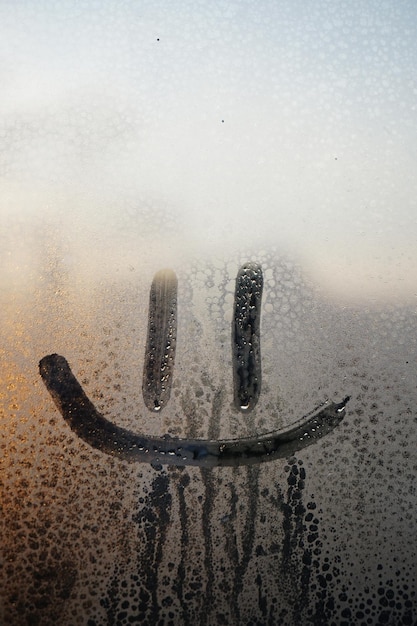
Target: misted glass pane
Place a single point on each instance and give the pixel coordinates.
(208, 287)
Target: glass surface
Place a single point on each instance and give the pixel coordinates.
(224, 143)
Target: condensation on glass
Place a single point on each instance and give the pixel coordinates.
(208, 313)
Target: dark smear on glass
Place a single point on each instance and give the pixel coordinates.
(83, 418)
(153, 521)
(162, 335)
(246, 336)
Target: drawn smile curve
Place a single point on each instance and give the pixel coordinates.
(98, 432)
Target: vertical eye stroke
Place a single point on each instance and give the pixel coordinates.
(246, 338)
(159, 362)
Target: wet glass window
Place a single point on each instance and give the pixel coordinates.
(208, 283)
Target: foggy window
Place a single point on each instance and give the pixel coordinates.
(208, 313)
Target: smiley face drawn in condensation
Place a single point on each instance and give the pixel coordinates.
(83, 418)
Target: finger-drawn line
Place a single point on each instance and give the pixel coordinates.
(246, 336)
(159, 361)
(83, 418)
